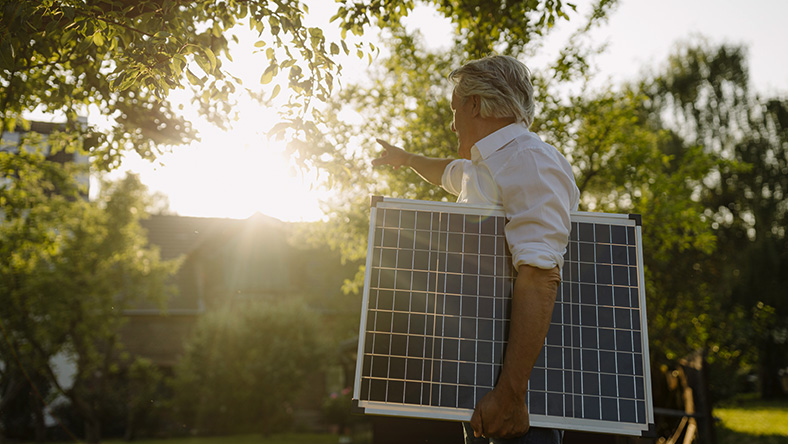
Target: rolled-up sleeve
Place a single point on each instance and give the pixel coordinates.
(451, 180)
(537, 193)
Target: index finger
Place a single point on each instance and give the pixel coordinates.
(384, 143)
(477, 423)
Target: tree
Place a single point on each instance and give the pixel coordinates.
(244, 364)
(68, 269)
(704, 95)
(124, 57)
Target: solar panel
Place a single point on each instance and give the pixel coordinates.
(435, 318)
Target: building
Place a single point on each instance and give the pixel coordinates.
(12, 141)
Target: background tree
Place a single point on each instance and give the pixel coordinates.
(244, 364)
(68, 269)
(703, 96)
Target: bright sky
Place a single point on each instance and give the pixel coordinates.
(239, 173)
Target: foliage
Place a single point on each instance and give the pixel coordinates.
(337, 408)
(480, 26)
(703, 95)
(68, 267)
(124, 57)
(244, 364)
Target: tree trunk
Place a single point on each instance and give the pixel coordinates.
(92, 430)
(38, 416)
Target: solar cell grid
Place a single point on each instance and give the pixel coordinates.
(436, 317)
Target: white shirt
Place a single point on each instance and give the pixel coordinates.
(533, 182)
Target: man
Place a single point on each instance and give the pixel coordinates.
(502, 162)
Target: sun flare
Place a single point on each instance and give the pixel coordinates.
(235, 174)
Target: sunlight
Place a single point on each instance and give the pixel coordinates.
(234, 174)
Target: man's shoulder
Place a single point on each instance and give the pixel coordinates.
(523, 148)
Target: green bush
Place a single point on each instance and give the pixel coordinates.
(244, 365)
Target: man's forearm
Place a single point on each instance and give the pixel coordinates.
(429, 168)
(532, 307)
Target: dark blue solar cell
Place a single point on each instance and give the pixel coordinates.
(624, 340)
(585, 232)
(605, 317)
(456, 223)
(538, 380)
(487, 245)
(537, 403)
(626, 387)
(466, 398)
(626, 408)
(423, 220)
(555, 381)
(467, 373)
(415, 345)
(590, 360)
(451, 349)
(397, 368)
(412, 393)
(468, 328)
(591, 407)
(603, 254)
(484, 351)
(449, 371)
(467, 351)
(607, 339)
(604, 274)
(399, 345)
(602, 233)
(609, 409)
(607, 384)
(469, 286)
(590, 383)
(484, 375)
(587, 252)
(448, 395)
(618, 234)
(607, 362)
(555, 404)
(626, 364)
(380, 367)
(377, 390)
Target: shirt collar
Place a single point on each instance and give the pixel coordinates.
(496, 140)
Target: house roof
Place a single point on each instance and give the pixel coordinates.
(179, 235)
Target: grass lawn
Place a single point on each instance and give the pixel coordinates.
(288, 438)
(752, 421)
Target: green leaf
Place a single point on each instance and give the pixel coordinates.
(275, 93)
(193, 79)
(259, 44)
(268, 75)
(204, 64)
(98, 39)
(334, 48)
(211, 58)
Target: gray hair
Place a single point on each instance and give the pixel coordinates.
(502, 82)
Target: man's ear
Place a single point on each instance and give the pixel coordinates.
(476, 102)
